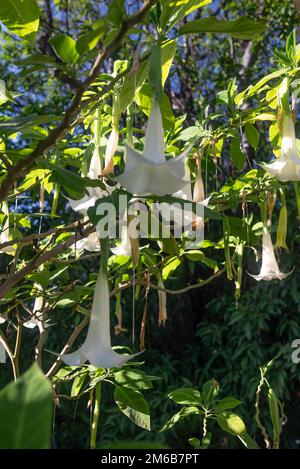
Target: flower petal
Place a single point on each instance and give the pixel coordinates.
(154, 150)
(97, 346)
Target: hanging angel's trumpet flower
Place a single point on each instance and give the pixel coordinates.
(5, 234)
(38, 318)
(287, 166)
(91, 243)
(282, 225)
(97, 346)
(36, 311)
(269, 267)
(111, 149)
(132, 222)
(199, 196)
(185, 215)
(124, 247)
(151, 173)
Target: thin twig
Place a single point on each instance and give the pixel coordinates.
(72, 112)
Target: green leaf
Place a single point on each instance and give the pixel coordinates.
(116, 12)
(155, 74)
(17, 124)
(291, 45)
(274, 413)
(184, 412)
(78, 383)
(231, 423)
(133, 404)
(191, 133)
(248, 441)
(88, 41)
(198, 256)
(132, 85)
(175, 10)
(189, 396)
(241, 28)
(210, 390)
(70, 181)
(170, 266)
(144, 100)
(252, 135)
(26, 412)
(134, 379)
(65, 48)
(253, 89)
(227, 403)
(37, 59)
(168, 51)
(21, 17)
(237, 155)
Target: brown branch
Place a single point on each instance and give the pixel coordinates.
(181, 291)
(40, 259)
(71, 113)
(37, 236)
(54, 368)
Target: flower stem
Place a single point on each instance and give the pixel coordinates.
(96, 415)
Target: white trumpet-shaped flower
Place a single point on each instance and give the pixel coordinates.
(151, 173)
(97, 346)
(111, 148)
(269, 267)
(287, 166)
(184, 215)
(90, 243)
(124, 247)
(37, 309)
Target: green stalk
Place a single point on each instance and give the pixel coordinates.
(297, 194)
(97, 134)
(96, 415)
(55, 200)
(129, 124)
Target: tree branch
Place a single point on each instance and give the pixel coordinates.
(40, 259)
(71, 113)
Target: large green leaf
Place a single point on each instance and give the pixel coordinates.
(17, 124)
(242, 28)
(133, 379)
(175, 10)
(184, 412)
(21, 17)
(227, 403)
(26, 412)
(65, 48)
(133, 404)
(188, 396)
